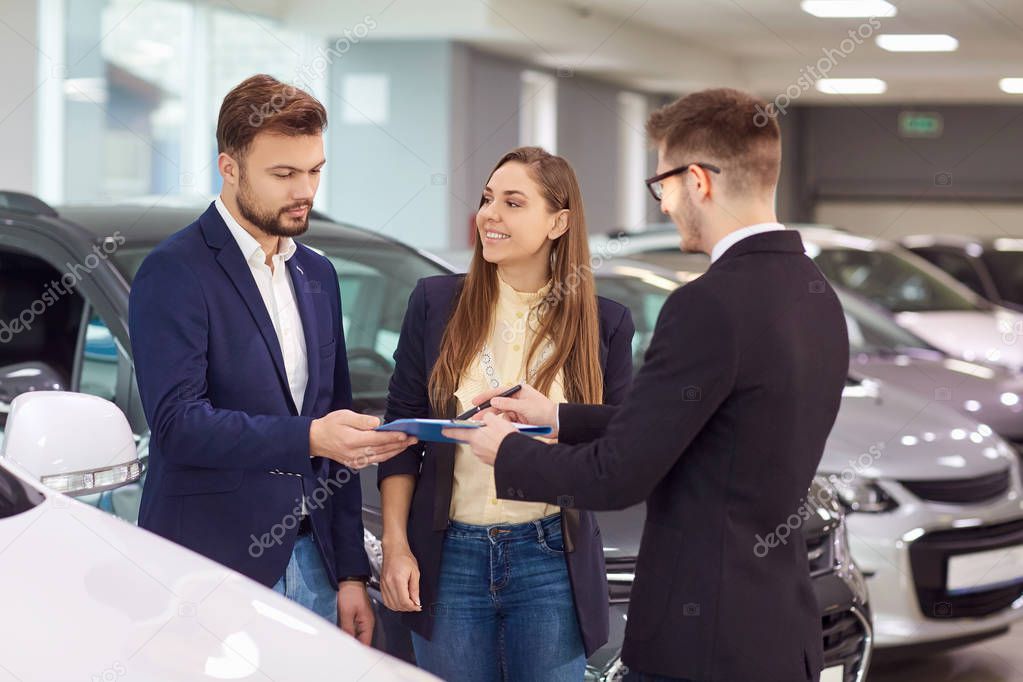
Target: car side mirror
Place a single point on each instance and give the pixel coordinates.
(74, 443)
(25, 377)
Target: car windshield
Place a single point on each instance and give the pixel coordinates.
(644, 294)
(376, 279)
(1006, 268)
(891, 281)
(872, 331)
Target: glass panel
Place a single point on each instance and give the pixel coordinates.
(124, 96)
(890, 281)
(1006, 269)
(643, 299)
(99, 361)
(957, 265)
(873, 331)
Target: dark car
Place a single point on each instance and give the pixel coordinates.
(991, 266)
(78, 340)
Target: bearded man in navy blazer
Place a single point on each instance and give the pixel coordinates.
(724, 426)
(240, 359)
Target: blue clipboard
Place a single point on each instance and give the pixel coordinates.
(430, 429)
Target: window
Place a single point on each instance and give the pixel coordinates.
(538, 111)
(1006, 268)
(138, 104)
(376, 280)
(375, 287)
(872, 332)
(99, 359)
(891, 281)
(644, 299)
(956, 264)
(38, 323)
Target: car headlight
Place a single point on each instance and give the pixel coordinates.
(846, 567)
(862, 495)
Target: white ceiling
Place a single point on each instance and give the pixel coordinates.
(675, 46)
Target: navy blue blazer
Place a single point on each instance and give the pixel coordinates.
(214, 390)
(430, 306)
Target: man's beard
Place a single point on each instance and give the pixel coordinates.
(272, 223)
(692, 234)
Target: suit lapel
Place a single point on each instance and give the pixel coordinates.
(230, 258)
(304, 290)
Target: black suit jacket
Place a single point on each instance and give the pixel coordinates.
(429, 309)
(721, 434)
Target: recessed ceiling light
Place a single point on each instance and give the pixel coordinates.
(851, 86)
(1013, 86)
(917, 42)
(849, 8)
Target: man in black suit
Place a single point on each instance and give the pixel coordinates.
(725, 423)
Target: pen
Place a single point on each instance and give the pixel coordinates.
(484, 405)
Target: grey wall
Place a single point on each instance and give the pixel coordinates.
(588, 138)
(18, 118)
(857, 152)
(487, 126)
(454, 111)
(849, 166)
(392, 177)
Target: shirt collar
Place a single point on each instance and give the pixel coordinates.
(732, 238)
(521, 298)
(250, 248)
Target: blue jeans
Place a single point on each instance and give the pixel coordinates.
(504, 608)
(307, 582)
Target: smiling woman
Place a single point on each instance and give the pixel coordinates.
(527, 311)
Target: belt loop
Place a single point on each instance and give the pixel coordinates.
(540, 534)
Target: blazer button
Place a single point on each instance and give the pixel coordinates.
(511, 492)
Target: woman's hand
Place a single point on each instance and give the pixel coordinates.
(399, 580)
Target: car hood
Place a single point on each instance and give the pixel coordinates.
(117, 600)
(995, 336)
(887, 432)
(990, 394)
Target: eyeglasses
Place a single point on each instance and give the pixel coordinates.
(657, 189)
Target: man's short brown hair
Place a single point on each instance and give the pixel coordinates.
(261, 103)
(723, 127)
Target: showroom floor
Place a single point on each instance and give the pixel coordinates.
(996, 660)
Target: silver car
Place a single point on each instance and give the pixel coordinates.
(934, 501)
(923, 299)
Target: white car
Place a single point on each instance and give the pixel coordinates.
(934, 514)
(89, 596)
(923, 298)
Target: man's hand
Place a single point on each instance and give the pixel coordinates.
(348, 437)
(527, 406)
(486, 440)
(399, 580)
(354, 612)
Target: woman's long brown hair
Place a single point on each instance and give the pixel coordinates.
(567, 314)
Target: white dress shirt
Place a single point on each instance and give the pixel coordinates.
(278, 292)
(732, 238)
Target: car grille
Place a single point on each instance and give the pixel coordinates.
(929, 559)
(962, 490)
(844, 642)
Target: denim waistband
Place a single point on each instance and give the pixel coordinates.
(506, 531)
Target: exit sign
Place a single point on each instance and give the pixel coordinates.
(920, 124)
